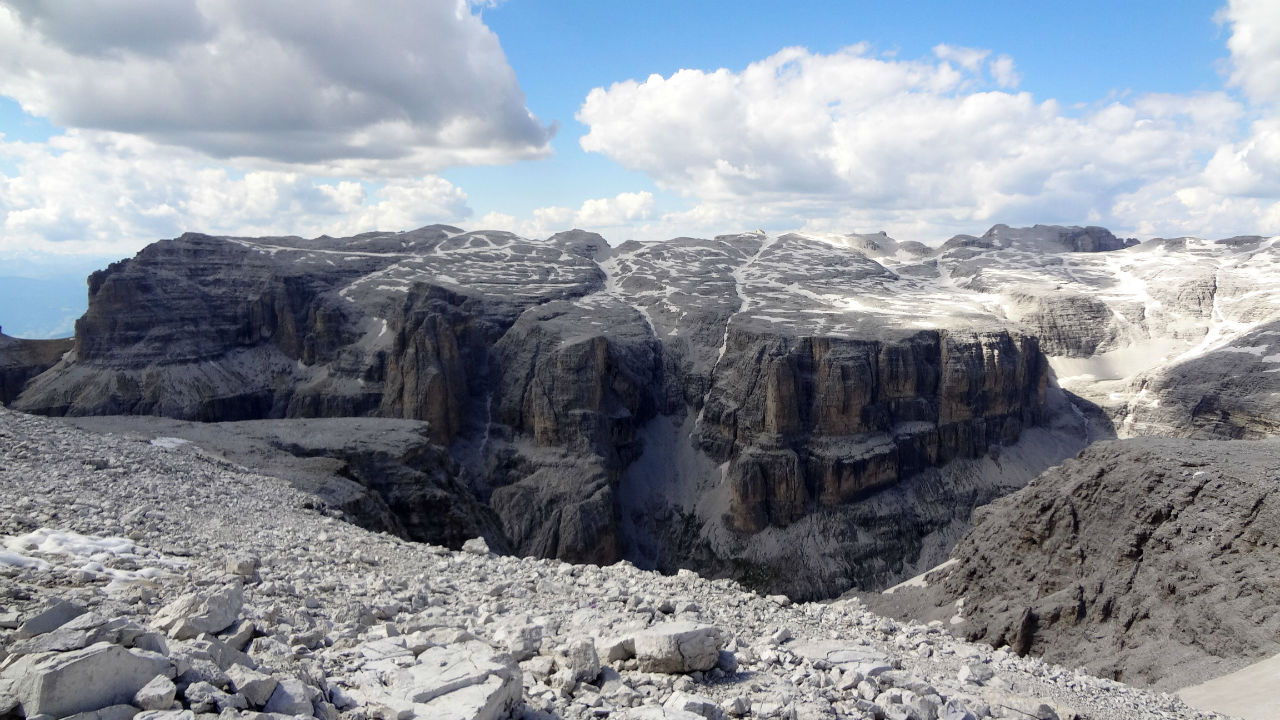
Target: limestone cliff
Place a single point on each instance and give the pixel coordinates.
(747, 404)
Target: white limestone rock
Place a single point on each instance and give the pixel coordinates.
(467, 681)
(196, 613)
(579, 658)
(256, 687)
(95, 677)
(678, 648)
(699, 705)
(157, 694)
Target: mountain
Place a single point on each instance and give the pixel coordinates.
(802, 412)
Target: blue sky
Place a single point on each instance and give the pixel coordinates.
(126, 121)
(1079, 53)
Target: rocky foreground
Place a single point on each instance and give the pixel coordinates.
(140, 577)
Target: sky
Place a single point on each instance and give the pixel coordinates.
(127, 121)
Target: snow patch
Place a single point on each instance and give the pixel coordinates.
(918, 581)
(88, 554)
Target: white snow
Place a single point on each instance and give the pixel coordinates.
(919, 581)
(169, 443)
(86, 553)
(1248, 693)
(14, 559)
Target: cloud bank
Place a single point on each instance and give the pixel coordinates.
(854, 142)
(341, 85)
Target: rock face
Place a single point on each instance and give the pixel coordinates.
(21, 360)
(825, 420)
(1151, 561)
(747, 405)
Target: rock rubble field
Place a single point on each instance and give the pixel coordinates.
(142, 577)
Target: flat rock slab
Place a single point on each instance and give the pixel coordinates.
(658, 713)
(844, 656)
(464, 681)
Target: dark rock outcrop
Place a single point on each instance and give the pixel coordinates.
(21, 360)
(1153, 561)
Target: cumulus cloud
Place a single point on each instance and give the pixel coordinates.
(1255, 47)
(930, 144)
(98, 192)
(610, 216)
(346, 86)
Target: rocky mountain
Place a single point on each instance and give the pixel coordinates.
(1152, 561)
(802, 412)
(142, 578)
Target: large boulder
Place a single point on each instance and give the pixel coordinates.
(678, 648)
(95, 677)
(200, 612)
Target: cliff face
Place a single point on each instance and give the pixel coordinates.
(696, 402)
(805, 421)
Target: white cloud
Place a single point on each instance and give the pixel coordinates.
(353, 88)
(616, 218)
(929, 145)
(1255, 47)
(111, 193)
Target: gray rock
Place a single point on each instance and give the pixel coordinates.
(290, 697)
(579, 658)
(678, 648)
(63, 684)
(256, 687)
(157, 694)
(1062, 569)
(658, 713)
(699, 705)
(520, 638)
(196, 613)
(59, 613)
(463, 681)
(976, 674)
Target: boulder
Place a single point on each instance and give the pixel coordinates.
(157, 694)
(95, 677)
(579, 658)
(57, 614)
(678, 648)
(256, 687)
(291, 697)
(196, 613)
